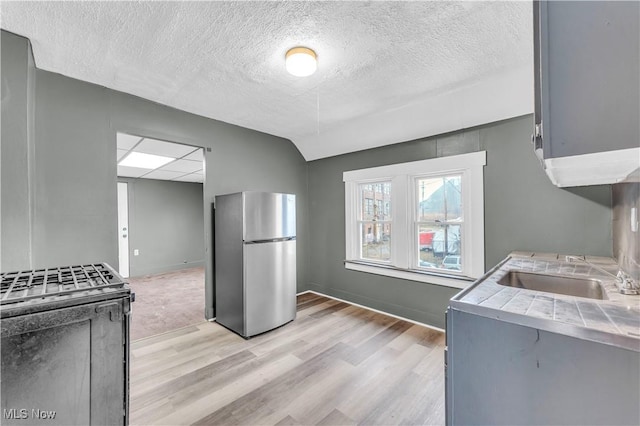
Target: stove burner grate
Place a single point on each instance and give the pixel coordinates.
(24, 285)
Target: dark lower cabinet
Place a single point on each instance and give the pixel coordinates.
(66, 366)
(500, 373)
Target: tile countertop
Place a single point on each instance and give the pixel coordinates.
(615, 321)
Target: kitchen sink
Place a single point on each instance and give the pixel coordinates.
(580, 287)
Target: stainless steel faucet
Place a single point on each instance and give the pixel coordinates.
(625, 282)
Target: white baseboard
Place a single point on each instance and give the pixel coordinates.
(374, 310)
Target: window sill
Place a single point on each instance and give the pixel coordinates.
(425, 277)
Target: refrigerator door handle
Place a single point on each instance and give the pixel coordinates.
(271, 240)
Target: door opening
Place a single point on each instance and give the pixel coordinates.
(161, 231)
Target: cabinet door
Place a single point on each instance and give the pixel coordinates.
(65, 366)
(108, 356)
(587, 85)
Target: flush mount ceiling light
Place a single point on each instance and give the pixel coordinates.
(301, 61)
(144, 161)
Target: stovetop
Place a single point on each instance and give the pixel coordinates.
(41, 285)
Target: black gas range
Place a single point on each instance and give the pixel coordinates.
(65, 346)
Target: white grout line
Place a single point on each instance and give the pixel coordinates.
(374, 310)
(535, 296)
(609, 318)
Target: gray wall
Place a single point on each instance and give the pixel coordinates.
(523, 211)
(18, 78)
(626, 244)
(74, 183)
(166, 225)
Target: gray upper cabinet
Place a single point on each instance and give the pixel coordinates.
(587, 91)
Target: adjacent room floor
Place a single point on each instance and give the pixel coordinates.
(335, 364)
(166, 301)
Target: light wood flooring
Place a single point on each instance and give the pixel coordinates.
(336, 364)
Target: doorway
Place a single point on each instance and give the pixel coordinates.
(161, 232)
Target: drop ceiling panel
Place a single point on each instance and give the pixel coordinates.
(163, 174)
(133, 172)
(121, 153)
(195, 155)
(191, 178)
(166, 149)
(186, 166)
(170, 171)
(127, 142)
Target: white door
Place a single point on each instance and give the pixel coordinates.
(123, 229)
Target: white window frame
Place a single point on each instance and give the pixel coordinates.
(403, 179)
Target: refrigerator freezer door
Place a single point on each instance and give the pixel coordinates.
(268, 216)
(269, 285)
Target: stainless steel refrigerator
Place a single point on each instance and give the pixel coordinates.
(255, 261)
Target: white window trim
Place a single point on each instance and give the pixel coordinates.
(402, 176)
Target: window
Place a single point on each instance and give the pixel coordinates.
(422, 220)
(439, 221)
(374, 224)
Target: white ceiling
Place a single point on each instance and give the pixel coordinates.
(387, 71)
(188, 165)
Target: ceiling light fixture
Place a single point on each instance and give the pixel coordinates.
(301, 61)
(144, 161)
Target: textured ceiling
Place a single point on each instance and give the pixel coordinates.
(387, 71)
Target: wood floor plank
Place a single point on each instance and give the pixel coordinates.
(158, 362)
(335, 364)
(172, 371)
(181, 394)
(322, 341)
(406, 402)
(162, 337)
(305, 297)
(310, 303)
(331, 309)
(336, 418)
(288, 421)
(218, 381)
(316, 307)
(418, 334)
(314, 402)
(359, 406)
(354, 382)
(194, 377)
(279, 391)
(369, 347)
(175, 341)
(372, 323)
(432, 363)
(309, 332)
(204, 403)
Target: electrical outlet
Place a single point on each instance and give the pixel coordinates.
(136, 252)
